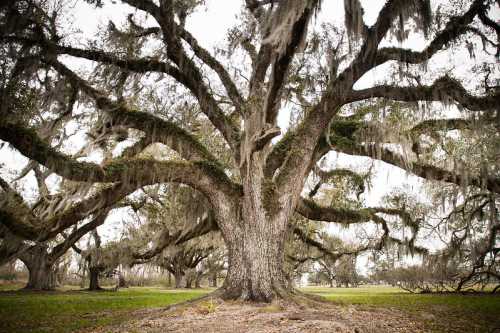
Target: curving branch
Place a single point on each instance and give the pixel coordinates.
(447, 124)
(15, 214)
(166, 239)
(312, 211)
(60, 249)
(215, 65)
(357, 179)
(444, 89)
(194, 81)
(156, 129)
(456, 26)
(201, 175)
(283, 59)
(365, 60)
(422, 169)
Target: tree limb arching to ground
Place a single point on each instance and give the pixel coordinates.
(255, 192)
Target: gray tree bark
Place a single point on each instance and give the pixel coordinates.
(42, 274)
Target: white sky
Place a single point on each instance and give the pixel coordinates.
(210, 27)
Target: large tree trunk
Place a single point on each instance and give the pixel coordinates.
(42, 275)
(178, 277)
(213, 280)
(197, 281)
(256, 240)
(94, 279)
(256, 263)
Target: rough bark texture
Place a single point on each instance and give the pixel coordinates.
(256, 272)
(256, 259)
(42, 275)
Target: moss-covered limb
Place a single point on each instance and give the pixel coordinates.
(154, 124)
(207, 225)
(15, 213)
(202, 175)
(155, 128)
(30, 145)
(137, 148)
(322, 248)
(422, 169)
(365, 60)
(192, 77)
(60, 249)
(289, 43)
(293, 155)
(207, 103)
(357, 179)
(95, 204)
(278, 154)
(492, 25)
(434, 125)
(159, 130)
(444, 89)
(370, 56)
(312, 211)
(456, 27)
(335, 254)
(138, 65)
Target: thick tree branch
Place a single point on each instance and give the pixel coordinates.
(422, 169)
(204, 176)
(156, 129)
(214, 64)
(455, 27)
(75, 236)
(444, 89)
(281, 65)
(357, 179)
(310, 210)
(166, 239)
(15, 213)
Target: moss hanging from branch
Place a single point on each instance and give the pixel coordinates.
(280, 22)
(354, 23)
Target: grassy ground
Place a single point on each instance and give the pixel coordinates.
(441, 312)
(67, 311)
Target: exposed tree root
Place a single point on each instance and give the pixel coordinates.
(296, 313)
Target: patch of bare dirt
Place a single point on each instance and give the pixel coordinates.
(235, 317)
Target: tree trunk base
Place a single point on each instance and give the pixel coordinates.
(41, 279)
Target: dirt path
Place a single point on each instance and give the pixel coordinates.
(231, 317)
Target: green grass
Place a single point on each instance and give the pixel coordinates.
(67, 311)
(441, 312)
